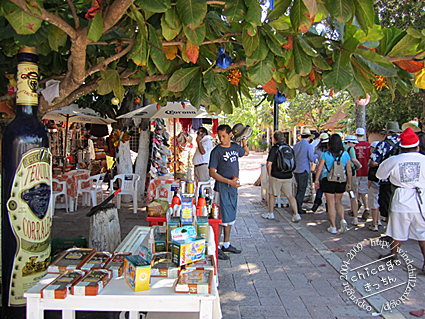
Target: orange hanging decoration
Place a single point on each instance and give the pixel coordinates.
(157, 106)
(184, 105)
(234, 76)
(379, 82)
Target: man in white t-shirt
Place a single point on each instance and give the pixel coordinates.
(407, 211)
(201, 158)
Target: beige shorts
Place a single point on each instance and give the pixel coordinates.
(362, 184)
(372, 198)
(404, 226)
(280, 186)
(202, 173)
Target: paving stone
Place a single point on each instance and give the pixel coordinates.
(263, 311)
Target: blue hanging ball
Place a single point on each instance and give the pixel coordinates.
(279, 98)
(271, 5)
(224, 61)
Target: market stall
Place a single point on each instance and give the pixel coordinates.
(117, 295)
(73, 144)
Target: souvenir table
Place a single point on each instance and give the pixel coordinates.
(118, 296)
(72, 178)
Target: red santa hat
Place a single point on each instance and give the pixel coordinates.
(408, 138)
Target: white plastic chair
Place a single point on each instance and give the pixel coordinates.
(92, 190)
(128, 184)
(56, 194)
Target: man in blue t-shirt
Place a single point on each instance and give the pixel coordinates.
(224, 168)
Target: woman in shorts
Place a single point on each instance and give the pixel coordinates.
(334, 190)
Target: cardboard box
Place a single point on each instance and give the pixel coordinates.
(194, 281)
(162, 266)
(72, 258)
(92, 283)
(202, 227)
(59, 287)
(160, 242)
(96, 261)
(137, 273)
(116, 264)
(147, 247)
(187, 209)
(172, 223)
(188, 251)
(208, 263)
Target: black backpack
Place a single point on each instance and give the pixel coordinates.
(285, 159)
(395, 150)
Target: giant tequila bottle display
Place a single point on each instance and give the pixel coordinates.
(26, 193)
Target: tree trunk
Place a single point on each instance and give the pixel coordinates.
(143, 157)
(360, 116)
(125, 166)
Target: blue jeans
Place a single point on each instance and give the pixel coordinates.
(302, 181)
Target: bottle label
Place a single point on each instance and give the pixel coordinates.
(27, 84)
(29, 211)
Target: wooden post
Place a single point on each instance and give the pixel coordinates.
(105, 232)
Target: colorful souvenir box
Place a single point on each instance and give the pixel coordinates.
(116, 264)
(160, 242)
(92, 283)
(96, 261)
(58, 288)
(187, 209)
(188, 251)
(137, 273)
(202, 227)
(194, 281)
(208, 263)
(162, 266)
(72, 258)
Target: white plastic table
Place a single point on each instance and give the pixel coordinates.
(118, 296)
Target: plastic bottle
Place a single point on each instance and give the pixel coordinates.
(26, 193)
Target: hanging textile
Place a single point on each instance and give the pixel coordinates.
(196, 123)
(215, 126)
(186, 124)
(207, 121)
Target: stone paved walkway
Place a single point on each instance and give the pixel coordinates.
(287, 269)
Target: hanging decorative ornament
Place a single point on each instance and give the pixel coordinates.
(137, 100)
(223, 59)
(363, 102)
(157, 106)
(379, 82)
(184, 105)
(234, 76)
(279, 98)
(271, 4)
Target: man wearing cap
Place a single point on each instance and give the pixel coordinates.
(201, 158)
(350, 143)
(363, 155)
(382, 151)
(407, 173)
(303, 157)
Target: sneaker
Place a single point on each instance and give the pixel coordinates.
(230, 249)
(331, 230)
(343, 226)
(268, 216)
(296, 218)
(303, 211)
(366, 214)
(222, 255)
(379, 223)
(373, 227)
(355, 221)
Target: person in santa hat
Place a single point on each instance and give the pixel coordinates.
(407, 211)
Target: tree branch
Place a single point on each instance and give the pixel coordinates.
(74, 14)
(114, 13)
(49, 17)
(219, 40)
(418, 57)
(102, 65)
